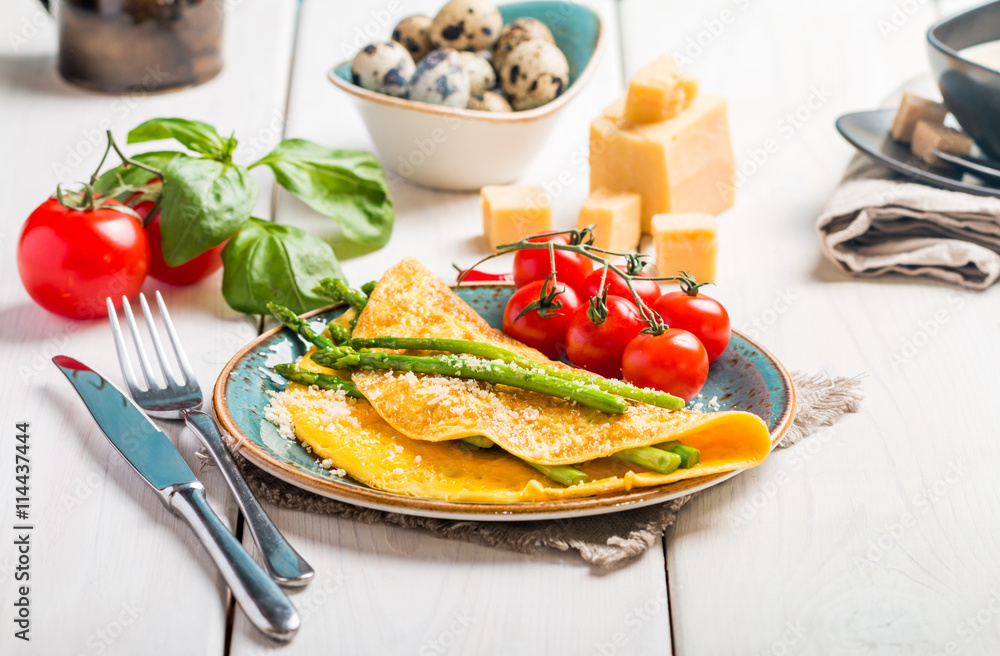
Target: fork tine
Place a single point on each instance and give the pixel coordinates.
(140, 350)
(175, 340)
(123, 360)
(161, 355)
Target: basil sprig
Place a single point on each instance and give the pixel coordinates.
(207, 198)
(268, 262)
(346, 185)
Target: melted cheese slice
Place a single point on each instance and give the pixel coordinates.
(409, 301)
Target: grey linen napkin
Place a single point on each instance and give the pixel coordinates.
(878, 222)
(604, 541)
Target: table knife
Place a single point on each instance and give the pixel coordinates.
(156, 459)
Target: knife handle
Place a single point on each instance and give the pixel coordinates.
(265, 604)
(283, 563)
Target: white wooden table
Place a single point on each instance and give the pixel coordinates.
(877, 536)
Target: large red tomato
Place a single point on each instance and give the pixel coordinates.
(71, 260)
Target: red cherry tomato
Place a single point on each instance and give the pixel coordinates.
(535, 264)
(648, 290)
(71, 260)
(188, 273)
(701, 315)
(548, 333)
(599, 347)
(674, 362)
(475, 275)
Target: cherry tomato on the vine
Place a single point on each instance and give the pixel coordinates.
(70, 260)
(545, 333)
(599, 347)
(673, 361)
(188, 273)
(536, 264)
(701, 315)
(648, 290)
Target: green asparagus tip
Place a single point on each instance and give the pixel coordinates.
(690, 456)
(369, 287)
(481, 441)
(663, 462)
(562, 474)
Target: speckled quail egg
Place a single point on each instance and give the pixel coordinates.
(467, 25)
(533, 74)
(489, 101)
(440, 79)
(517, 32)
(383, 67)
(480, 72)
(413, 33)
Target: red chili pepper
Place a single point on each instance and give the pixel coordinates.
(472, 275)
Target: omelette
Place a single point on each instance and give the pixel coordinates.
(403, 437)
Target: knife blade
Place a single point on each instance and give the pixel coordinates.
(151, 453)
(158, 462)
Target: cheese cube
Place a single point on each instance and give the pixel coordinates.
(512, 212)
(659, 91)
(928, 136)
(912, 110)
(685, 242)
(616, 217)
(685, 164)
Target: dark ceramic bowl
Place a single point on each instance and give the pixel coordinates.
(971, 91)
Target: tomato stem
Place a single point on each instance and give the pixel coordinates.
(126, 162)
(581, 242)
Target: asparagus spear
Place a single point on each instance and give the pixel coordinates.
(368, 287)
(337, 291)
(491, 372)
(290, 320)
(561, 473)
(650, 457)
(491, 352)
(689, 455)
(297, 374)
(481, 441)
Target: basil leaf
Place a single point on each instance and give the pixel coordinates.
(195, 135)
(203, 203)
(133, 176)
(269, 262)
(347, 185)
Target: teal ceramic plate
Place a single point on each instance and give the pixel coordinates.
(746, 377)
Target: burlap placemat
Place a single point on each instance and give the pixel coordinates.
(603, 541)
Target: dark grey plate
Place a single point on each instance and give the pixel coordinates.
(869, 133)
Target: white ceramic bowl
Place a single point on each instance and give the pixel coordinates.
(460, 149)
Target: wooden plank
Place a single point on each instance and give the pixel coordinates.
(873, 536)
(388, 590)
(111, 571)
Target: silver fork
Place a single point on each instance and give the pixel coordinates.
(180, 398)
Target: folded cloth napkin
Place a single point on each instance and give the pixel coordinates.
(604, 541)
(879, 222)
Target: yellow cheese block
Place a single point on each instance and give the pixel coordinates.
(616, 217)
(685, 164)
(660, 91)
(512, 212)
(685, 242)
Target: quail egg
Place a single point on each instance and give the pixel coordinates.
(413, 33)
(534, 73)
(440, 79)
(466, 25)
(384, 68)
(489, 101)
(480, 72)
(517, 32)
